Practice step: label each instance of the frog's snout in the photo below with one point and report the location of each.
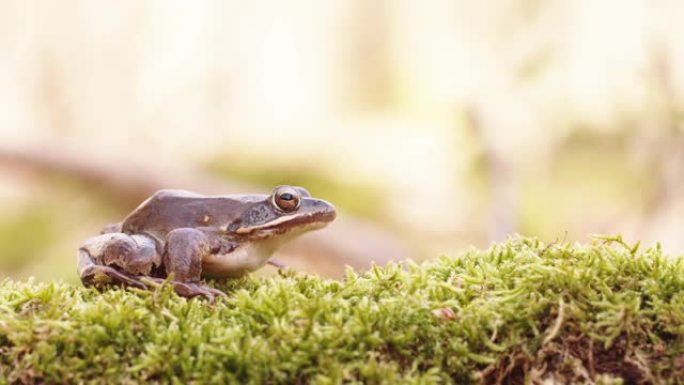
(324, 211)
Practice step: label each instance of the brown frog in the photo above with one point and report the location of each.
(192, 236)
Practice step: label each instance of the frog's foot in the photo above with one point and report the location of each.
(191, 290)
(116, 259)
(101, 276)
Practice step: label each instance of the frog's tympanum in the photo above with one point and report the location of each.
(191, 236)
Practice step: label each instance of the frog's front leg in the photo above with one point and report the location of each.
(117, 259)
(185, 249)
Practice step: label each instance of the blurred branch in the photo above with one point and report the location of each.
(348, 241)
(504, 213)
(662, 143)
(667, 156)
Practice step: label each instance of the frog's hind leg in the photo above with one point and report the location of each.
(116, 259)
(99, 276)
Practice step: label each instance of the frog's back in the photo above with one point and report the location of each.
(171, 209)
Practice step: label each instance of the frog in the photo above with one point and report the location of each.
(181, 237)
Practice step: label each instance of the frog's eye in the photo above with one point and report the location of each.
(286, 198)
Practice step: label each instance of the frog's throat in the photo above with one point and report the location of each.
(244, 259)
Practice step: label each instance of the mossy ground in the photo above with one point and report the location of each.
(519, 312)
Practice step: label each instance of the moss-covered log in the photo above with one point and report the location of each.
(519, 311)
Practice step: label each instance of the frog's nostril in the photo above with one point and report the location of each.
(328, 211)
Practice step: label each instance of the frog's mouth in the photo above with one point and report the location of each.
(309, 217)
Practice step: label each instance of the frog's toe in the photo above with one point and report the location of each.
(100, 276)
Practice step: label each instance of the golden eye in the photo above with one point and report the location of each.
(286, 198)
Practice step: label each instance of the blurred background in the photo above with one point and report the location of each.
(432, 125)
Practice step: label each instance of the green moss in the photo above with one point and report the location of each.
(600, 313)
